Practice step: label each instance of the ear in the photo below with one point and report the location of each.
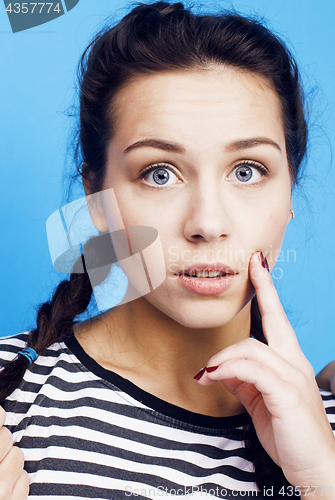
(94, 202)
(95, 207)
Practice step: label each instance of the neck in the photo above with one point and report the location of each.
(161, 356)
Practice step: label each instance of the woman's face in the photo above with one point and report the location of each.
(200, 156)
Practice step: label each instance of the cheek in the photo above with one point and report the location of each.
(143, 247)
(138, 211)
(259, 220)
(269, 232)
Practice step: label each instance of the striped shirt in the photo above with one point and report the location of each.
(86, 432)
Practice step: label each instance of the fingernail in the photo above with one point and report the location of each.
(200, 374)
(264, 261)
(210, 369)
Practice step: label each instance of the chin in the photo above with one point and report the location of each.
(202, 315)
(202, 322)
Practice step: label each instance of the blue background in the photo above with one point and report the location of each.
(37, 87)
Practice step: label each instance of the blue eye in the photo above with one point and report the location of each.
(159, 175)
(243, 173)
(248, 172)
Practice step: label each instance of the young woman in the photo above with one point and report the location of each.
(194, 125)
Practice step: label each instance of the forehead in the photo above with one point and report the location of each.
(220, 102)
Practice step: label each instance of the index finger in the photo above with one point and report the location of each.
(277, 328)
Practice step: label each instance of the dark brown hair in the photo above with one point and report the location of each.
(153, 38)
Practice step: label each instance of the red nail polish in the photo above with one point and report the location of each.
(261, 258)
(210, 369)
(200, 374)
(264, 261)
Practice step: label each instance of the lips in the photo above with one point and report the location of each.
(206, 271)
(207, 279)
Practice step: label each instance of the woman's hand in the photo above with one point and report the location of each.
(276, 385)
(14, 480)
(326, 377)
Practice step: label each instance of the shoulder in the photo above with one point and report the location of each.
(329, 403)
(47, 382)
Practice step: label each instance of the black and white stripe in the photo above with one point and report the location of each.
(88, 433)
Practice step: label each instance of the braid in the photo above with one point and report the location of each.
(54, 321)
(55, 318)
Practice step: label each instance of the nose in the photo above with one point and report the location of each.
(208, 218)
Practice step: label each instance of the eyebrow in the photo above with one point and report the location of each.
(178, 148)
(250, 143)
(155, 143)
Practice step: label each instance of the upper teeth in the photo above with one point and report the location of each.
(206, 274)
